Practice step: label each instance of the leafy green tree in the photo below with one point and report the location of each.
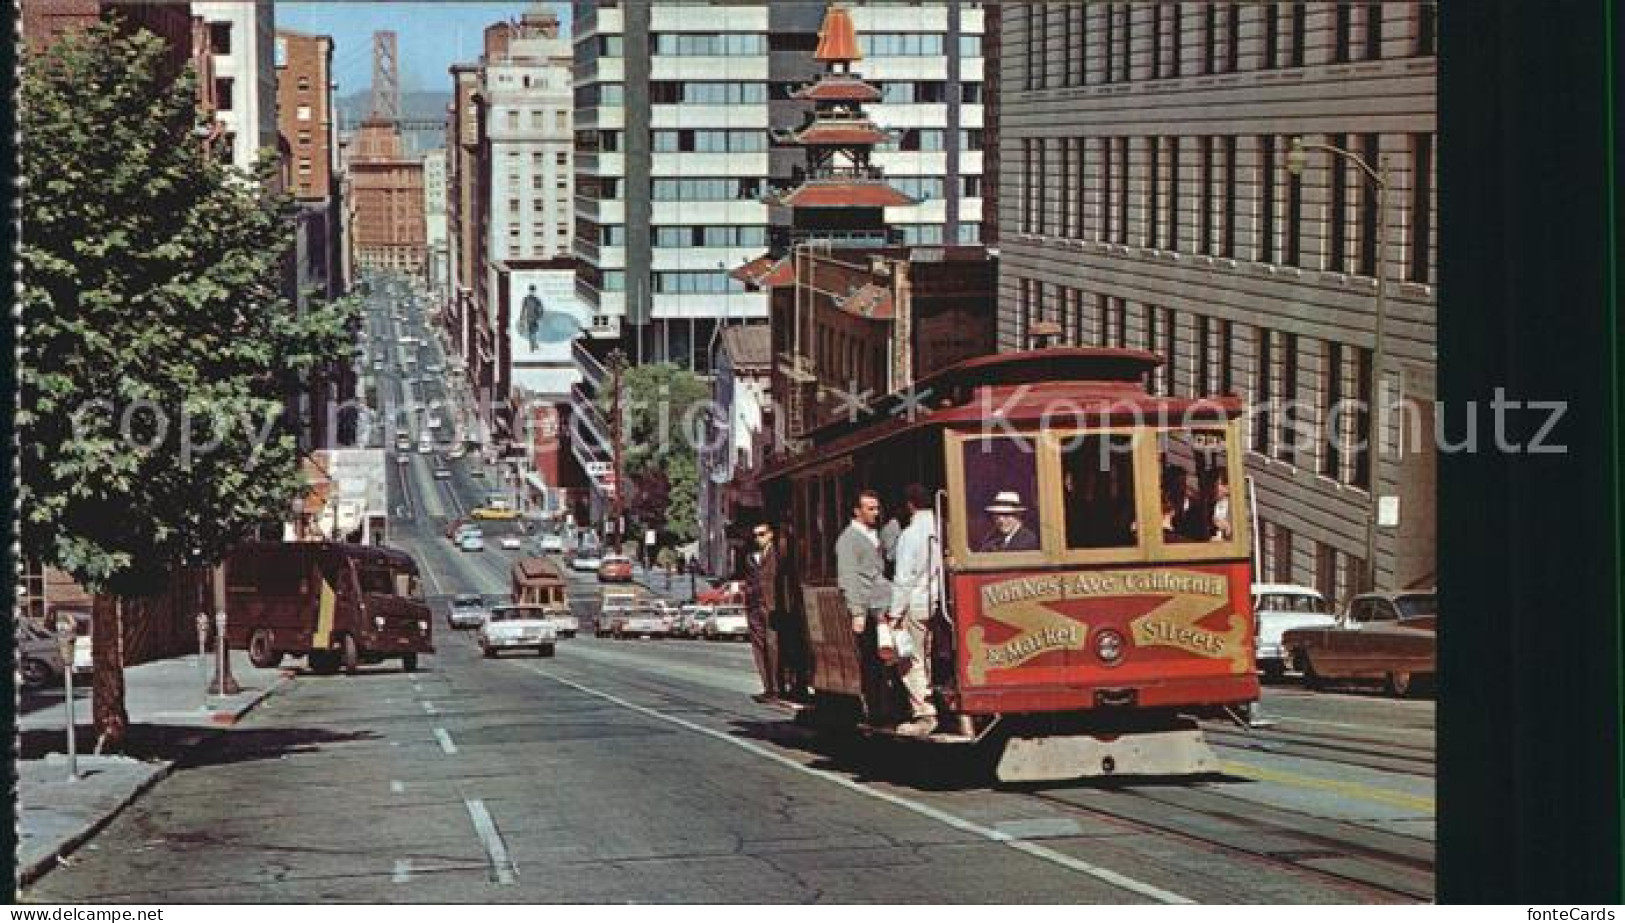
(157, 349)
(663, 407)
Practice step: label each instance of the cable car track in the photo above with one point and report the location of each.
(1387, 757)
(1378, 863)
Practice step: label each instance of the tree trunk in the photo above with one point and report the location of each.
(107, 654)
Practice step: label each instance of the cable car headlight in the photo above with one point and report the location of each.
(423, 625)
(378, 621)
(1109, 646)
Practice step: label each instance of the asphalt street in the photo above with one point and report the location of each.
(642, 771)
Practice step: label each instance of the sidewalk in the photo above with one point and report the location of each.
(56, 814)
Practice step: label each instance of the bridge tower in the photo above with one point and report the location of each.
(386, 78)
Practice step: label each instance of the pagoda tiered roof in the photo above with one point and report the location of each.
(839, 132)
(838, 88)
(842, 193)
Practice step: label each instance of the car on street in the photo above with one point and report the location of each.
(511, 543)
(457, 451)
(443, 474)
(472, 541)
(405, 458)
(727, 622)
(493, 513)
(403, 444)
(467, 611)
(425, 447)
(586, 560)
(615, 569)
(1385, 637)
(1281, 607)
(510, 627)
(551, 544)
(563, 619)
(691, 621)
(39, 655)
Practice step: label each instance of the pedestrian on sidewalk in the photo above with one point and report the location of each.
(762, 601)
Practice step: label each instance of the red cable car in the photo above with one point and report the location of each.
(1095, 588)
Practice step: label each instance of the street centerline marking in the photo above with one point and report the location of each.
(502, 867)
(403, 871)
(958, 823)
(396, 786)
(445, 741)
(1354, 790)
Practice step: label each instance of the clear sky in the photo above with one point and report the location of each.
(433, 35)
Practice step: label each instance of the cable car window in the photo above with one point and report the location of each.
(1097, 479)
(1001, 494)
(1411, 607)
(1195, 488)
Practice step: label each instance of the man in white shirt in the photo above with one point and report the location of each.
(915, 586)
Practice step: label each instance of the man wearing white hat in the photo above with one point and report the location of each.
(1010, 533)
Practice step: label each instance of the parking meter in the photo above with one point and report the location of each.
(66, 633)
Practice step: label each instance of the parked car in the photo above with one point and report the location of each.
(691, 621)
(1278, 608)
(642, 620)
(508, 627)
(467, 611)
(39, 656)
(552, 544)
(511, 543)
(1387, 637)
(727, 622)
(613, 613)
(586, 560)
(472, 541)
(615, 569)
(563, 619)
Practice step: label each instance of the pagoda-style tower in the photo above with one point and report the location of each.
(841, 199)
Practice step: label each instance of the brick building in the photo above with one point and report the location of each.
(390, 233)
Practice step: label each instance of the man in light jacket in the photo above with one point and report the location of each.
(915, 586)
(860, 569)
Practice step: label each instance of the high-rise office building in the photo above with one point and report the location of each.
(1190, 178)
(682, 113)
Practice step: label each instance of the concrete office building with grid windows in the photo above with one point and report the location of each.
(679, 116)
(1147, 200)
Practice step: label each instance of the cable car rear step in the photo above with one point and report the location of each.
(1177, 749)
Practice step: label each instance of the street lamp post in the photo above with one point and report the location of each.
(1296, 160)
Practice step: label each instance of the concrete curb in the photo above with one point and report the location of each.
(33, 871)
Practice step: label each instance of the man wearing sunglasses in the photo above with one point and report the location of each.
(764, 605)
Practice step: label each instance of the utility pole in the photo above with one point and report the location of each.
(617, 363)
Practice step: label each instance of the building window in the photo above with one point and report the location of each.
(1427, 28)
(1373, 31)
(220, 37)
(1109, 71)
(1122, 189)
(1333, 414)
(1064, 203)
(1421, 209)
(1299, 32)
(1232, 38)
(1337, 258)
(1153, 189)
(1326, 572)
(1157, 20)
(1077, 44)
(1293, 255)
(1024, 315)
(1272, 35)
(1342, 29)
(1210, 36)
(1202, 376)
(1026, 192)
(1204, 199)
(1369, 257)
(1041, 201)
(1106, 190)
(1080, 186)
(1228, 242)
(1125, 39)
(1263, 402)
(511, 119)
(1174, 165)
(1286, 444)
(1360, 447)
(1266, 216)
(223, 92)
